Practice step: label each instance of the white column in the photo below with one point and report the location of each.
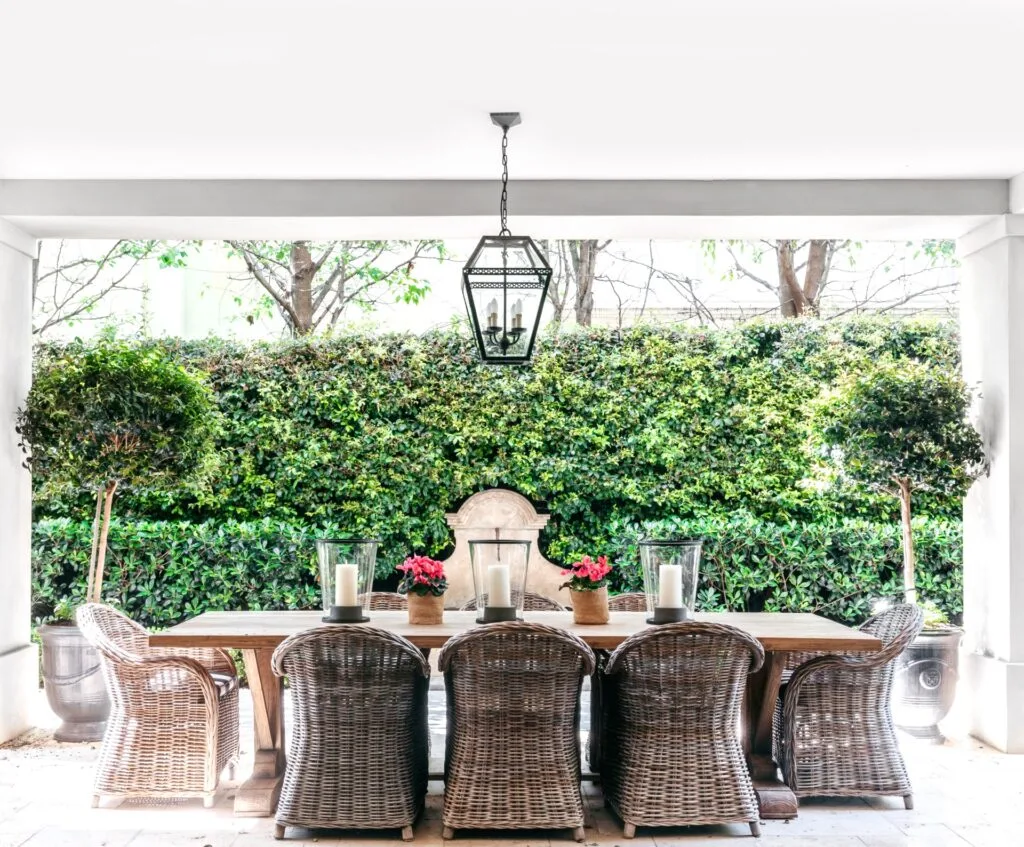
(19, 669)
(992, 321)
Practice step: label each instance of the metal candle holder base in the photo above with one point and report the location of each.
(345, 614)
(669, 615)
(494, 614)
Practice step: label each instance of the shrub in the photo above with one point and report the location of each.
(162, 572)
(383, 435)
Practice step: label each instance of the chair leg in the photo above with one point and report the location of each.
(407, 833)
(278, 831)
(208, 800)
(908, 801)
(579, 834)
(95, 801)
(628, 830)
(755, 829)
(447, 833)
(232, 768)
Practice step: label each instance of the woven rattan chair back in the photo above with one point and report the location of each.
(382, 601)
(531, 603)
(513, 709)
(633, 602)
(671, 749)
(856, 752)
(173, 724)
(359, 749)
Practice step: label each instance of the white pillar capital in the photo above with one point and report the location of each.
(1016, 195)
(994, 229)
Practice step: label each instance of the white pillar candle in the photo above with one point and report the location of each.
(345, 580)
(670, 587)
(492, 313)
(499, 588)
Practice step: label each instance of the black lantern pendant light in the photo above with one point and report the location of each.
(505, 281)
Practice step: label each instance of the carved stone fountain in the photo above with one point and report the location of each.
(499, 513)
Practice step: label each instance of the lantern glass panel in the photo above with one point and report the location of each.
(346, 573)
(499, 578)
(671, 569)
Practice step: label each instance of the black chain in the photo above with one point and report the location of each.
(504, 183)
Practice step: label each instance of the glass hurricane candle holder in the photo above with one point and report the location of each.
(499, 578)
(346, 577)
(670, 578)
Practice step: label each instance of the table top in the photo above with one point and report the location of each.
(777, 631)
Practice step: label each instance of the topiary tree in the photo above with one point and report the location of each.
(112, 417)
(900, 427)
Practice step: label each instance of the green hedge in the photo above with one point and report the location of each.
(383, 435)
(161, 572)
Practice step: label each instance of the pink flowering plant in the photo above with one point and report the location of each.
(587, 574)
(422, 575)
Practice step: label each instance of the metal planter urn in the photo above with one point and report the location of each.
(924, 685)
(74, 683)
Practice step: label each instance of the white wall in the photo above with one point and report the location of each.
(18, 659)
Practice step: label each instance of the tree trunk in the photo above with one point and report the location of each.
(584, 259)
(791, 295)
(303, 271)
(909, 587)
(814, 277)
(101, 553)
(95, 544)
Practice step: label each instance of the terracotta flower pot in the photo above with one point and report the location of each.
(590, 607)
(426, 608)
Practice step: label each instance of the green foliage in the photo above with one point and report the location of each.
(163, 572)
(838, 569)
(904, 420)
(384, 435)
(115, 412)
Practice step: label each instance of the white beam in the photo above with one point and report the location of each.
(474, 198)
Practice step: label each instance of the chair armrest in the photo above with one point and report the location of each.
(171, 675)
(213, 659)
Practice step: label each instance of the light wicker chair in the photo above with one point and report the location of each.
(531, 603)
(173, 724)
(512, 754)
(672, 754)
(360, 744)
(834, 731)
(388, 601)
(635, 601)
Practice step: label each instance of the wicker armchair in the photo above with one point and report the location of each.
(672, 753)
(388, 601)
(635, 601)
(358, 757)
(531, 603)
(512, 755)
(834, 733)
(173, 724)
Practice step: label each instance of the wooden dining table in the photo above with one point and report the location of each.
(256, 634)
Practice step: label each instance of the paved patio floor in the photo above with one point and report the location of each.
(965, 793)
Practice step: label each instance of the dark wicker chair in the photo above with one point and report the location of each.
(388, 601)
(512, 755)
(531, 603)
(173, 724)
(672, 753)
(358, 757)
(834, 731)
(633, 602)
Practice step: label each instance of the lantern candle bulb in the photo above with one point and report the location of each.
(345, 579)
(492, 313)
(517, 314)
(499, 587)
(670, 587)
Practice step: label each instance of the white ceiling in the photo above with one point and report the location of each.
(388, 89)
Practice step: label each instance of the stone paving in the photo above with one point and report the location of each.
(965, 794)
